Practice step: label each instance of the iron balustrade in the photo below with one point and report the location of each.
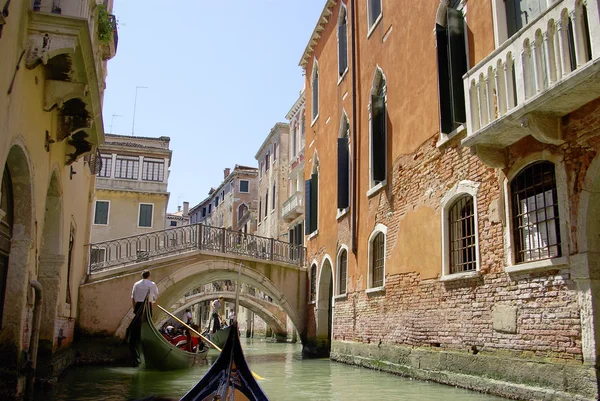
(149, 246)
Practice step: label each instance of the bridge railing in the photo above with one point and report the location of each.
(148, 246)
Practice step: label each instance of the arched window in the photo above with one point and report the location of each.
(378, 127)
(313, 283)
(535, 219)
(242, 209)
(377, 257)
(311, 204)
(373, 12)
(315, 90)
(342, 271)
(343, 188)
(342, 41)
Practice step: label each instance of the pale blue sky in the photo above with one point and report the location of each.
(219, 74)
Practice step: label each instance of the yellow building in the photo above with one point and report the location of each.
(131, 189)
(52, 74)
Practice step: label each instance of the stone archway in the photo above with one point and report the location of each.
(17, 305)
(325, 304)
(51, 260)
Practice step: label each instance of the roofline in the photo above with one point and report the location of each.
(299, 102)
(159, 138)
(316, 35)
(268, 138)
(236, 170)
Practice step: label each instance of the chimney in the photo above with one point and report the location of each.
(186, 208)
(179, 208)
(226, 172)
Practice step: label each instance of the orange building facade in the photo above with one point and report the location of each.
(450, 177)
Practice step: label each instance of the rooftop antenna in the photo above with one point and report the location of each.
(112, 120)
(134, 106)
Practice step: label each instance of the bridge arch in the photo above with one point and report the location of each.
(246, 301)
(179, 282)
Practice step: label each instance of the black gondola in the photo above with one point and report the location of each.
(229, 378)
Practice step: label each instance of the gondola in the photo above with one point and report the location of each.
(219, 337)
(151, 350)
(229, 378)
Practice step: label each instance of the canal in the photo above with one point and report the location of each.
(288, 377)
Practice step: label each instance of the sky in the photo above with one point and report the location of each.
(219, 75)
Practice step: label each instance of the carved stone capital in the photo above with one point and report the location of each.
(42, 46)
(545, 129)
(490, 156)
(58, 92)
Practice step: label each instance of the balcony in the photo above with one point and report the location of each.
(110, 40)
(293, 207)
(548, 69)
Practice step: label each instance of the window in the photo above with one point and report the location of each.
(260, 170)
(266, 203)
(373, 12)
(342, 271)
(343, 168)
(377, 256)
(294, 139)
(274, 151)
(313, 283)
(378, 127)
(259, 211)
(209, 208)
(267, 161)
(101, 212)
(521, 12)
(461, 223)
(127, 167)
(173, 223)
(242, 209)
(452, 65)
(244, 186)
(273, 201)
(153, 169)
(145, 215)
(69, 264)
(315, 91)
(535, 219)
(106, 169)
(216, 201)
(311, 204)
(204, 211)
(342, 37)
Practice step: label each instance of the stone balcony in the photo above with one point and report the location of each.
(121, 184)
(548, 69)
(293, 207)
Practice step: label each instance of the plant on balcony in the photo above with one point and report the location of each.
(105, 25)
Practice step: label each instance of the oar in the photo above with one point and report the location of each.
(256, 376)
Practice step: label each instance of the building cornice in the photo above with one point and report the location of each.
(275, 130)
(297, 106)
(316, 35)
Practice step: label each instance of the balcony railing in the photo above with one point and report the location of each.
(293, 207)
(149, 246)
(531, 72)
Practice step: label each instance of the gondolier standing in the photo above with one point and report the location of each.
(216, 307)
(141, 289)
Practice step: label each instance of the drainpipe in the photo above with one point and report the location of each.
(35, 336)
(354, 132)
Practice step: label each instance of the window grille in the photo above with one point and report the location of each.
(378, 259)
(127, 167)
(461, 219)
(153, 169)
(343, 271)
(536, 226)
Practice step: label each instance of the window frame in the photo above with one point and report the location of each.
(560, 176)
(338, 275)
(374, 188)
(140, 212)
(159, 163)
(314, 75)
(107, 212)
(342, 134)
(135, 171)
(107, 167)
(460, 189)
(343, 9)
(379, 228)
(248, 186)
(371, 26)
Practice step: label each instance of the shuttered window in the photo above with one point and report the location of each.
(343, 269)
(378, 138)
(315, 91)
(452, 65)
(311, 204)
(101, 212)
(343, 189)
(145, 218)
(244, 186)
(273, 201)
(259, 211)
(267, 203)
(342, 42)
(313, 283)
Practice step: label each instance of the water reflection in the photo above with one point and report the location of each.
(287, 378)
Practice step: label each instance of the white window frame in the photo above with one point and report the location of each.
(371, 28)
(345, 10)
(107, 213)
(459, 189)
(379, 228)
(140, 211)
(374, 188)
(563, 215)
(315, 71)
(337, 293)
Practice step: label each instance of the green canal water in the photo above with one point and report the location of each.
(288, 377)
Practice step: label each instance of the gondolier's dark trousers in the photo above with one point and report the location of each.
(216, 322)
(139, 305)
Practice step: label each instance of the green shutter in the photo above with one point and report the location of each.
(314, 199)
(445, 98)
(457, 54)
(307, 213)
(378, 145)
(343, 187)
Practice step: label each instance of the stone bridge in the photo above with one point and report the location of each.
(185, 258)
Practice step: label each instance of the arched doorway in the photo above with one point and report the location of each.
(325, 305)
(6, 226)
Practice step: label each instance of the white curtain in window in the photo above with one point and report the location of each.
(539, 227)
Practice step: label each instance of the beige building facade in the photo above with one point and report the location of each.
(131, 188)
(273, 159)
(52, 73)
(179, 218)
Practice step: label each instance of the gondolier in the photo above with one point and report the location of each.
(141, 289)
(216, 307)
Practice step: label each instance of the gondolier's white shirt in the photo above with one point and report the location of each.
(140, 289)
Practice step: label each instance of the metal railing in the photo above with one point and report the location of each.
(149, 246)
